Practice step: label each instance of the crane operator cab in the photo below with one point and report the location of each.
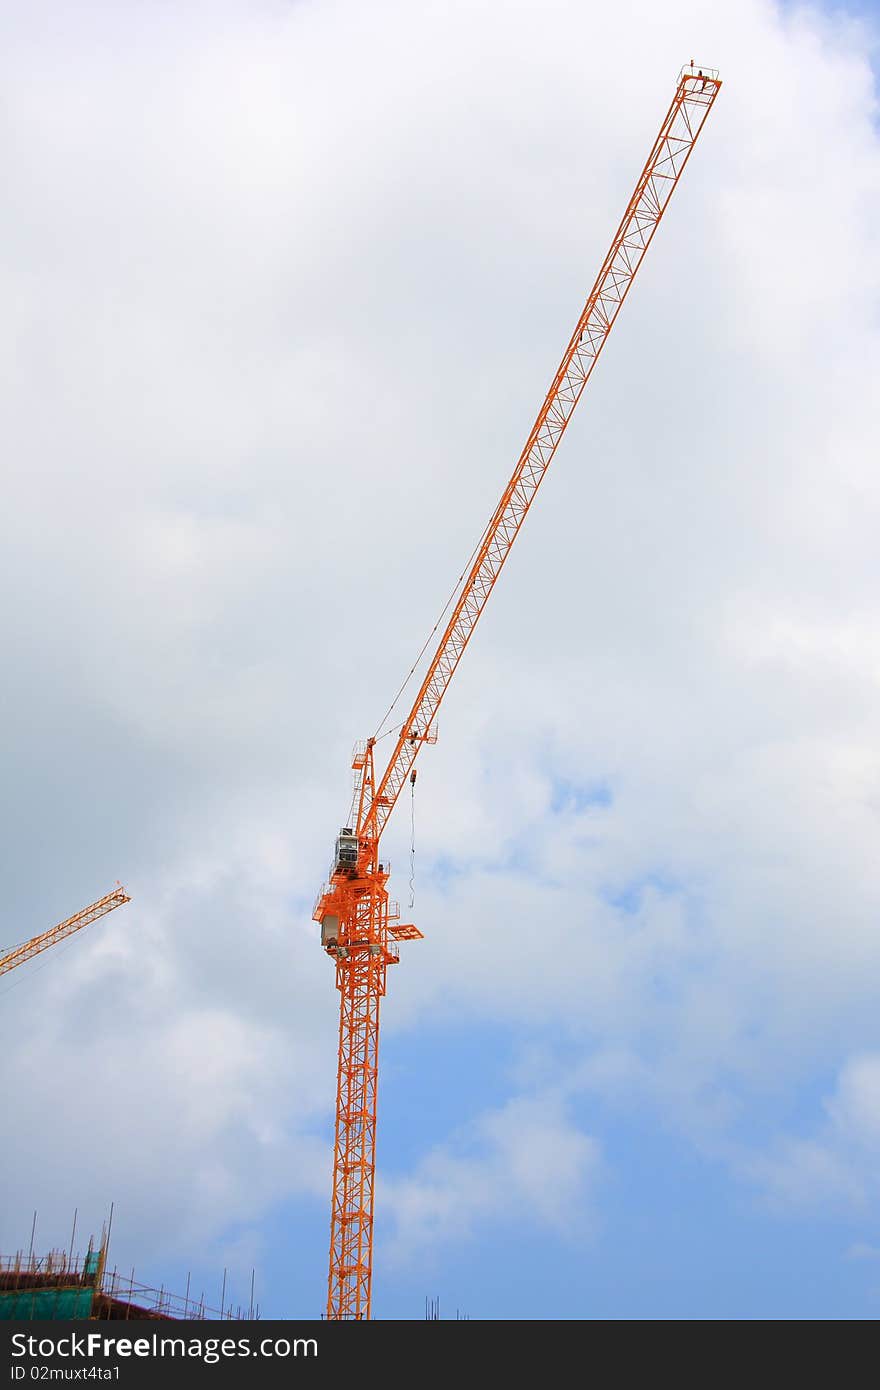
(346, 857)
(330, 930)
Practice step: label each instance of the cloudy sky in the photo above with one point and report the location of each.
(283, 286)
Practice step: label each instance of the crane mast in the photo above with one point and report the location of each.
(360, 926)
(28, 949)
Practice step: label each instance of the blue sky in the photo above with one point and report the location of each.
(286, 283)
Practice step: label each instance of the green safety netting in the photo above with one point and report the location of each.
(45, 1304)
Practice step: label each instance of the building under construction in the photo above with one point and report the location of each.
(64, 1286)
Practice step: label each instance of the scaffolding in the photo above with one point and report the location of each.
(64, 1286)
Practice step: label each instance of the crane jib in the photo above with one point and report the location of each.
(682, 125)
(90, 914)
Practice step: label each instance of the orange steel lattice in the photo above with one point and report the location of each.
(31, 948)
(358, 928)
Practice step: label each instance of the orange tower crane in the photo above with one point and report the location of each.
(28, 949)
(360, 927)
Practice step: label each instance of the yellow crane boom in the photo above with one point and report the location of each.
(28, 949)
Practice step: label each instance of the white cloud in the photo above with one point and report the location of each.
(283, 291)
(526, 1162)
(855, 1107)
(152, 1080)
(840, 1163)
